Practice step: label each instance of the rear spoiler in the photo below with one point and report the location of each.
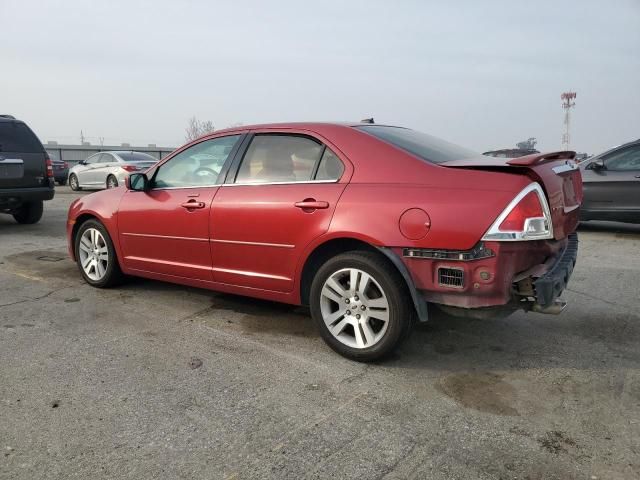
(539, 158)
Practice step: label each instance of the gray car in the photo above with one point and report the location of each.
(108, 169)
(612, 185)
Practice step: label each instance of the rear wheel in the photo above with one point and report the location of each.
(73, 182)
(360, 305)
(96, 256)
(112, 182)
(29, 213)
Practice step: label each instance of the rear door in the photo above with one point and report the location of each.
(22, 156)
(613, 193)
(279, 197)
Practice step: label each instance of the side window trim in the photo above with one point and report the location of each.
(223, 172)
(234, 168)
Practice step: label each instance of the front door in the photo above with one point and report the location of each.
(281, 198)
(613, 192)
(166, 229)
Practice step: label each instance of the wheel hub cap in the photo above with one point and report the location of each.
(93, 254)
(354, 308)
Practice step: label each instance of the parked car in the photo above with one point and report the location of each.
(60, 171)
(366, 224)
(26, 174)
(108, 169)
(612, 185)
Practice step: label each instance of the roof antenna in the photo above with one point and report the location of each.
(367, 120)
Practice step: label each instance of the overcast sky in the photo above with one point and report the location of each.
(484, 74)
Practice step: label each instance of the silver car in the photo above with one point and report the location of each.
(108, 169)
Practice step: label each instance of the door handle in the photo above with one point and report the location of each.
(637, 176)
(192, 204)
(311, 204)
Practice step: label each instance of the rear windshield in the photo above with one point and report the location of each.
(136, 157)
(431, 149)
(17, 137)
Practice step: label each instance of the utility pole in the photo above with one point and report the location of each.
(567, 104)
(81, 138)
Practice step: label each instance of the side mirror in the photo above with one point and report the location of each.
(597, 165)
(138, 182)
(82, 162)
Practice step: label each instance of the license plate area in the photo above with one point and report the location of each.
(11, 169)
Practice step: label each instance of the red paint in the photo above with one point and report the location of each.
(255, 239)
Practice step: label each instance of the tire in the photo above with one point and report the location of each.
(376, 338)
(108, 273)
(62, 182)
(112, 182)
(73, 183)
(29, 213)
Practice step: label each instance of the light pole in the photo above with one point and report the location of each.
(567, 104)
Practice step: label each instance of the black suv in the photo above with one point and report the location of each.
(26, 174)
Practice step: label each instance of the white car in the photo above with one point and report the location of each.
(108, 169)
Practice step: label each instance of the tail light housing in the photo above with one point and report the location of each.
(49, 167)
(65, 165)
(527, 217)
(130, 168)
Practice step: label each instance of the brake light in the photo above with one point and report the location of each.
(66, 165)
(527, 217)
(49, 167)
(130, 168)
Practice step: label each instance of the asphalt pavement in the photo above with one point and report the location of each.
(152, 380)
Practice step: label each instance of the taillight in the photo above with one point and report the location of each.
(49, 167)
(527, 217)
(66, 165)
(130, 168)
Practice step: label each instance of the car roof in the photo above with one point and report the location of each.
(315, 126)
(617, 147)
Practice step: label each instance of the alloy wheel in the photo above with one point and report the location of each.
(112, 182)
(73, 182)
(94, 254)
(354, 308)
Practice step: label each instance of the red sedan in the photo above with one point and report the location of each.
(367, 224)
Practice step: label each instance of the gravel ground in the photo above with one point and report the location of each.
(153, 380)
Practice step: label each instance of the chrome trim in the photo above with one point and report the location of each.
(567, 167)
(257, 244)
(178, 188)
(257, 184)
(495, 234)
(250, 274)
(167, 262)
(12, 161)
(168, 237)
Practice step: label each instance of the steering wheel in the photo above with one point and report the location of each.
(205, 174)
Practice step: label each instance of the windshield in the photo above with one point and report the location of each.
(136, 157)
(426, 147)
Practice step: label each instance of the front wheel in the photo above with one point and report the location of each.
(112, 182)
(73, 182)
(360, 305)
(96, 256)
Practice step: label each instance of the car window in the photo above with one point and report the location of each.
(106, 158)
(136, 157)
(426, 147)
(274, 158)
(17, 137)
(93, 159)
(330, 167)
(198, 165)
(625, 159)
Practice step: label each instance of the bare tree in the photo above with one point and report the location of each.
(196, 128)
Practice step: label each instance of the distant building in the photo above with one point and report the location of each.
(75, 153)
